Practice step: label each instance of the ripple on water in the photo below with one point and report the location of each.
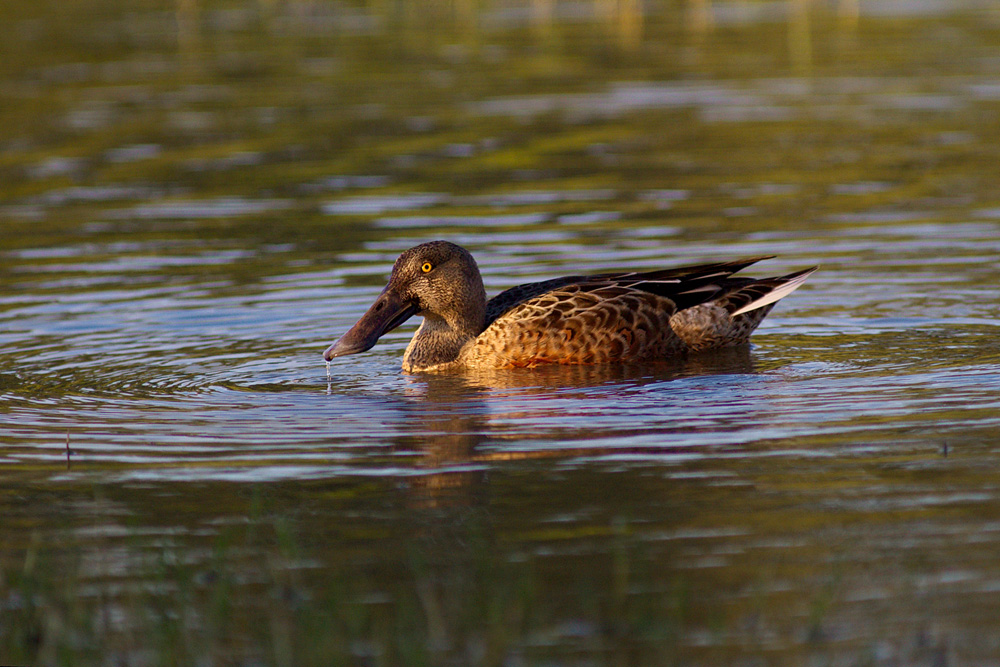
(223, 207)
(379, 204)
(176, 368)
(446, 221)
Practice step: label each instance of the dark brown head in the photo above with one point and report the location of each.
(437, 280)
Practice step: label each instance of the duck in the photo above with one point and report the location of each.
(601, 318)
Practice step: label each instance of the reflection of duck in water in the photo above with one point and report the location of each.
(604, 318)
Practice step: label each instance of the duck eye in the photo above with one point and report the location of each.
(427, 266)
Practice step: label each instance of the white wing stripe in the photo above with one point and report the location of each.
(778, 293)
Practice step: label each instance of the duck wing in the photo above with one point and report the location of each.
(627, 316)
(579, 323)
(686, 286)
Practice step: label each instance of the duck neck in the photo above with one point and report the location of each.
(437, 342)
(440, 340)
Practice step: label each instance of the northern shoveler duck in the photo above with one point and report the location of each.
(595, 319)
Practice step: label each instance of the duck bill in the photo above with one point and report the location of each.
(387, 313)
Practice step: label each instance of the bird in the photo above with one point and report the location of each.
(602, 318)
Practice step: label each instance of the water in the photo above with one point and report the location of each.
(197, 199)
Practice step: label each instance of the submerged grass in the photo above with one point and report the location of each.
(258, 595)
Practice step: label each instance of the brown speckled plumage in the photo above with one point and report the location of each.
(596, 319)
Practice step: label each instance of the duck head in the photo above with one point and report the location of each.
(438, 280)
